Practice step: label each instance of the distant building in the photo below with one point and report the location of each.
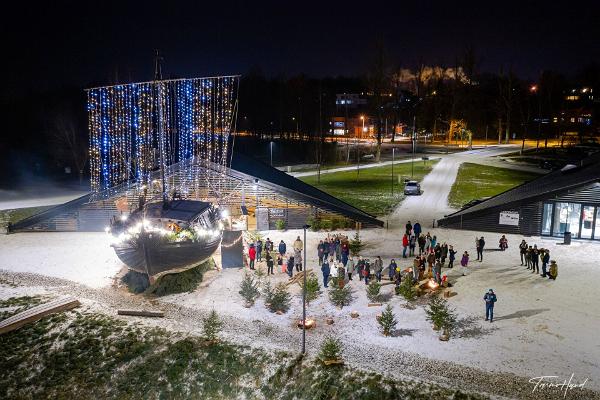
(578, 117)
(362, 126)
(349, 100)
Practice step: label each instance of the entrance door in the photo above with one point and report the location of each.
(566, 219)
(587, 222)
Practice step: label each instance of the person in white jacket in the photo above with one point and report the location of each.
(350, 267)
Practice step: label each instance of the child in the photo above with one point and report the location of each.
(464, 262)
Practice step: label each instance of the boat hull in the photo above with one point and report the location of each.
(155, 258)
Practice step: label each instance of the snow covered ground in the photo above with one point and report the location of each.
(37, 196)
(542, 327)
(81, 257)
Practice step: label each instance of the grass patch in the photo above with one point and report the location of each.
(475, 181)
(371, 190)
(17, 214)
(92, 356)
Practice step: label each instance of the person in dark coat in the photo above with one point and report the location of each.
(325, 269)
(417, 229)
(367, 271)
(409, 228)
(259, 249)
(269, 245)
(412, 242)
(320, 251)
(490, 299)
(421, 241)
(523, 251)
(480, 246)
(444, 253)
(535, 260)
(269, 264)
(360, 266)
(282, 247)
(392, 269)
(451, 256)
(290, 266)
(545, 261)
(326, 249)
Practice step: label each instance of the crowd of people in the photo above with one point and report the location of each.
(531, 257)
(428, 256)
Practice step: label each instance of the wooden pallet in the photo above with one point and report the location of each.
(38, 312)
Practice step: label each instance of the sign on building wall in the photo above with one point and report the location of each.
(509, 218)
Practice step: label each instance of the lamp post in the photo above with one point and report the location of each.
(414, 138)
(271, 145)
(305, 227)
(534, 89)
(393, 157)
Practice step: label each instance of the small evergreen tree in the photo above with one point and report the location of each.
(356, 245)
(440, 315)
(267, 292)
(312, 288)
(280, 224)
(373, 291)
(407, 290)
(340, 296)
(249, 289)
(280, 299)
(387, 321)
(331, 349)
(211, 326)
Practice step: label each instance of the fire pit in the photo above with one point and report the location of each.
(433, 285)
(310, 323)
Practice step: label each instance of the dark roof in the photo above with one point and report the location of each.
(182, 210)
(295, 189)
(554, 183)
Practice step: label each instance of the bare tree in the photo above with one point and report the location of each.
(71, 144)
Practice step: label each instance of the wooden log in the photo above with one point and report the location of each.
(141, 313)
(333, 362)
(375, 304)
(38, 312)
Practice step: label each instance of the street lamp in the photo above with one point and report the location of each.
(305, 227)
(393, 157)
(271, 145)
(534, 90)
(362, 117)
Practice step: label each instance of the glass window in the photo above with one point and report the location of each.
(547, 219)
(566, 219)
(587, 222)
(597, 230)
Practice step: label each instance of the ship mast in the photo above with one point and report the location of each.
(159, 87)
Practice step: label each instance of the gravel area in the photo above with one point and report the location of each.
(364, 354)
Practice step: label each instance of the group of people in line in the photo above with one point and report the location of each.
(258, 249)
(531, 257)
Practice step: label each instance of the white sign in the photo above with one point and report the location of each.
(509, 218)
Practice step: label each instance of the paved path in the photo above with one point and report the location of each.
(433, 202)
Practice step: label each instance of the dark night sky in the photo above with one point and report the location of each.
(80, 43)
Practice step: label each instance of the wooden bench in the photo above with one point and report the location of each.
(38, 312)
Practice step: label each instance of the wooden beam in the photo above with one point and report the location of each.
(38, 312)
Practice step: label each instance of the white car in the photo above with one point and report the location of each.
(412, 187)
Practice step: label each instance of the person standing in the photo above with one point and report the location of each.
(367, 271)
(480, 246)
(282, 248)
(421, 241)
(320, 251)
(259, 249)
(430, 261)
(338, 250)
(545, 261)
(345, 252)
(464, 262)
(269, 259)
(427, 242)
(523, 251)
(437, 272)
(408, 227)
(378, 267)
(444, 253)
(298, 260)
(298, 245)
(451, 256)
(325, 249)
(290, 266)
(535, 260)
(415, 268)
(412, 242)
(490, 298)
(252, 255)
(350, 267)
(326, 271)
(417, 229)
(269, 245)
(392, 269)
(528, 254)
(360, 266)
(404, 245)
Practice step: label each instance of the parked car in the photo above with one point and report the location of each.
(412, 187)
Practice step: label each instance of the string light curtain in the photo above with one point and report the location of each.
(135, 127)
